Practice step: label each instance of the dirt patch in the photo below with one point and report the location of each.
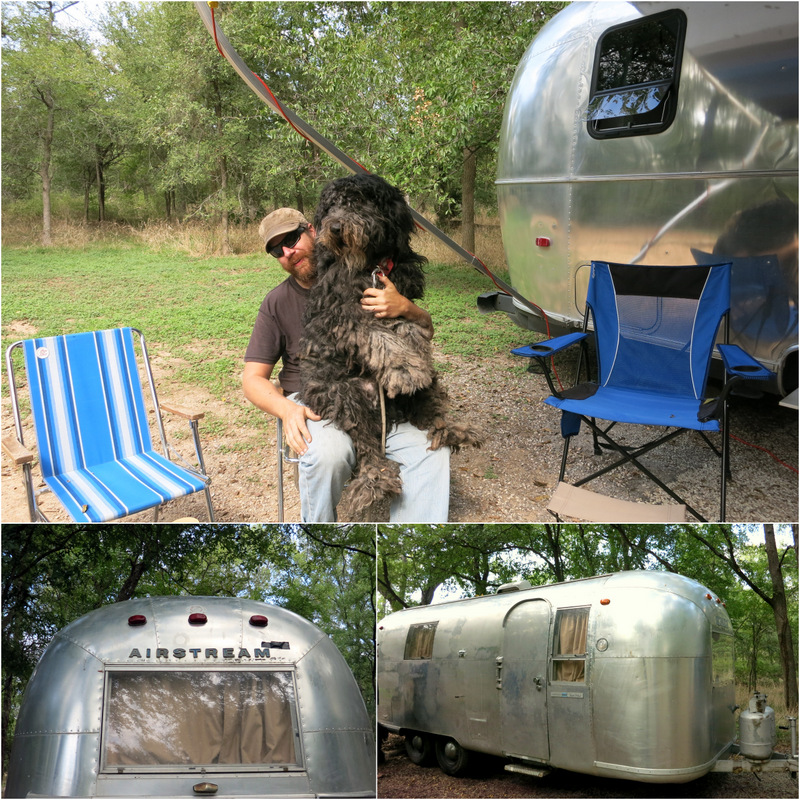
(510, 479)
(398, 777)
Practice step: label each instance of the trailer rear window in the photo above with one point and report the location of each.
(419, 641)
(636, 75)
(176, 719)
(569, 644)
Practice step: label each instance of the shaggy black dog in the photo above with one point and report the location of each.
(349, 355)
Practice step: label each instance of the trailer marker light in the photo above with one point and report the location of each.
(542, 241)
(708, 596)
(605, 601)
(136, 620)
(197, 619)
(259, 621)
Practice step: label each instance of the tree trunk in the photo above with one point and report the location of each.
(87, 186)
(780, 610)
(298, 196)
(101, 189)
(45, 168)
(468, 200)
(223, 183)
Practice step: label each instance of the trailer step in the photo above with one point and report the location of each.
(572, 501)
(536, 772)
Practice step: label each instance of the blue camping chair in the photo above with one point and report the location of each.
(92, 431)
(654, 331)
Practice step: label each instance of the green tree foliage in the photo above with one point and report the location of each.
(55, 97)
(53, 574)
(411, 90)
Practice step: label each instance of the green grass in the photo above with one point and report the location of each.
(202, 310)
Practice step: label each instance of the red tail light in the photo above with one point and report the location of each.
(197, 619)
(259, 621)
(136, 620)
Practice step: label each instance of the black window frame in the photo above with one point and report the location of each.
(657, 118)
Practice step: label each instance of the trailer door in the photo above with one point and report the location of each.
(522, 680)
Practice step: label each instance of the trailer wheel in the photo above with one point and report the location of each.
(419, 749)
(452, 757)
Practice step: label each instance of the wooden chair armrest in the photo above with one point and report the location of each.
(181, 411)
(16, 451)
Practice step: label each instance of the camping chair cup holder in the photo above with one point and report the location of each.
(92, 431)
(654, 330)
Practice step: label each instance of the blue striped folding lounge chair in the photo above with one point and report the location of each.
(654, 329)
(92, 432)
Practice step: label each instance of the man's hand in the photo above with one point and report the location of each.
(388, 303)
(294, 426)
(263, 393)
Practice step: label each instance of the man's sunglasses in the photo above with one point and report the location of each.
(290, 240)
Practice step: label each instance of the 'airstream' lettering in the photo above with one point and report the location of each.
(210, 653)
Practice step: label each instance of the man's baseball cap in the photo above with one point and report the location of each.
(280, 221)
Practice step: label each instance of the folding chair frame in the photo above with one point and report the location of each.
(23, 457)
(738, 366)
(285, 456)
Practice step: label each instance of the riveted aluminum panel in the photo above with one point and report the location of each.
(662, 198)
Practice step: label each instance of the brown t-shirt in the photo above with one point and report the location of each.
(276, 334)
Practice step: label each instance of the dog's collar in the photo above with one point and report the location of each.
(384, 268)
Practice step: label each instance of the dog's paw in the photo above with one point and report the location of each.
(374, 482)
(454, 435)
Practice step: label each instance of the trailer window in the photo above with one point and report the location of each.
(157, 719)
(722, 662)
(419, 641)
(636, 75)
(569, 644)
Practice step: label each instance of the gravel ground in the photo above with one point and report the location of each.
(509, 479)
(398, 777)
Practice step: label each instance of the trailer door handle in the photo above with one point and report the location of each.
(537, 682)
(205, 788)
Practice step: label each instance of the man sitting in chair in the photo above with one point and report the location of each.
(326, 454)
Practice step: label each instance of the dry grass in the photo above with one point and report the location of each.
(488, 245)
(202, 239)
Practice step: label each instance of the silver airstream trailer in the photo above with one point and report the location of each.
(182, 696)
(627, 675)
(656, 133)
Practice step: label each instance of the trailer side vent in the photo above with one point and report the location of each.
(137, 620)
(259, 621)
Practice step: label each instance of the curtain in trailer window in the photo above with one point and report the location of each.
(199, 718)
(419, 641)
(569, 647)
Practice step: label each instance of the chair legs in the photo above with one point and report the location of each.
(283, 451)
(632, 455)
(279, 453)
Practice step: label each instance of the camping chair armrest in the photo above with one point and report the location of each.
(181, 411)
(549, 347)
(741, 364)
(16, 451)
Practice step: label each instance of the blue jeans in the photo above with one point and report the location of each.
(330, 459)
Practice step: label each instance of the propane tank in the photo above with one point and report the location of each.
(757, 735)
